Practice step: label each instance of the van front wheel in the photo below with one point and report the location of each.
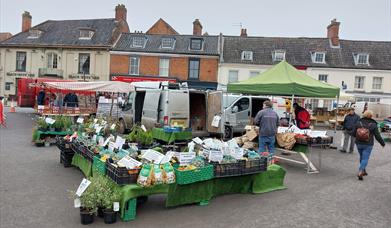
(228, 132)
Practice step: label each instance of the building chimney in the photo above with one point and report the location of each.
(243, 32)
(26, 21)
(332, 32)
(197, 28)
(120, 12)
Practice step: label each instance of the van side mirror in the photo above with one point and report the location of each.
(234, 109)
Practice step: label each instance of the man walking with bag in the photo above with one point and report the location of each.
(349, 123)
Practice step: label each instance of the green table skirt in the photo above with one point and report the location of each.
(271, 180)
(169, 137)
(63, 133)
(83, 164)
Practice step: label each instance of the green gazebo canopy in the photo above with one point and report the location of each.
(284, 80)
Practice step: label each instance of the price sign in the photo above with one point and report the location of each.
(83, 186)
(185, 158)
(167, 157)
(129, 162)
(111, 146)
(50, 120)
(80, 120)
(116, 206)
(143, 127)
(215, 155)
(119, 142)
(77, 203)
(112, 127)
(153, 156)
(237, 153)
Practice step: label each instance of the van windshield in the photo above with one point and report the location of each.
(229, 99)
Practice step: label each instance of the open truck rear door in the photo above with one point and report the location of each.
(214, 108)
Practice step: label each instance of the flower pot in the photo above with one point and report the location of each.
(58, 129)
(109, 216)
(47, 144)
(52, 129)
(86, 217)
(100, 212)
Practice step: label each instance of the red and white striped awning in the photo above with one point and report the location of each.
(100, 86)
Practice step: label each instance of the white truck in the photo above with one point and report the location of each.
(192, 108)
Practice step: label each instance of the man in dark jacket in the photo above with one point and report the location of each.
(267, 120)
(350, 121)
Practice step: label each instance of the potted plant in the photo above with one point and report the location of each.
(42, 125)
(107, 194)
(88, 202)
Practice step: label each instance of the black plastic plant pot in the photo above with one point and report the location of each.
(86, 217)
(100, 212)
(109, 216)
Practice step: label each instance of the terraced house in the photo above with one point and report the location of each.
(362, 68)
(60, 49)
(161, 54)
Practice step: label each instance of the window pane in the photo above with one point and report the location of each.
(20, 61)
(164, 66)
(243, 104)
(84, 63)
(195, 44)
(138, 41)
(359, 82)
(233, 76)
(167, 43)
(134, 65)
(322, 77)
(319, 57)
(194, 67)
(254, 73)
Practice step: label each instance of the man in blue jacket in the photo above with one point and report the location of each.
(349, 123)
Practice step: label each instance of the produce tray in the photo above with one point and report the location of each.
(227, 170)
(99, 165)
(191, 176)
(254, 166)
(121, 175)
(63, 145)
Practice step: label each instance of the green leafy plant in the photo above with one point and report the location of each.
(106, 192)
(140, 136)
(42, 125)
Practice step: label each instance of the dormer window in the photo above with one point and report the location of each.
(138, 41)
(195, 44)
(361, 59)
(34, 33)
(318, 57)
(168, 43)
(86, 34)
(278, 55)
(247, 55)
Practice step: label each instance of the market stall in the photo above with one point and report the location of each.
(135, 167)
(285, 80)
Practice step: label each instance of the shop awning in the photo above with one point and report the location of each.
(101, 86)
(284, 80)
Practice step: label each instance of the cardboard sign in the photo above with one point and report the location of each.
(119, 142)
(129, 162)
(80, 120)
(216, 121)
(215, 155)
(83, 186)
(167, 157)
(185, 158)
(153, 156)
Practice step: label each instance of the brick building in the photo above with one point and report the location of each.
(163, 54)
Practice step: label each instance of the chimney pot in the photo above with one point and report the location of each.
(197, 28)
(243, 32)
(26, 21)
(333, 32)
(120, 12)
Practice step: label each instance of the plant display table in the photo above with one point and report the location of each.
(83, 164)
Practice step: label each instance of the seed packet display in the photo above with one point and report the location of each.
(145, 177)
(168, 173)
(158, 174)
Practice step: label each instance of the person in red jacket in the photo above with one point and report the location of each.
(2, 119)
(303, 117)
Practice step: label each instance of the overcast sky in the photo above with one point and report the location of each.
(360, 19)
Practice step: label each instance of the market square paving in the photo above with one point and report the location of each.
(34, 192)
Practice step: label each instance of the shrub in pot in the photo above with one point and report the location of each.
(107, 194)
(88, 201)
(42, 125)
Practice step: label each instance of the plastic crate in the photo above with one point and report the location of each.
(121, 175)
(66, 159)
(227, 170)
(318, 140)
(130, 210)
(99, 165)
(191, 176)
(254, 166)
